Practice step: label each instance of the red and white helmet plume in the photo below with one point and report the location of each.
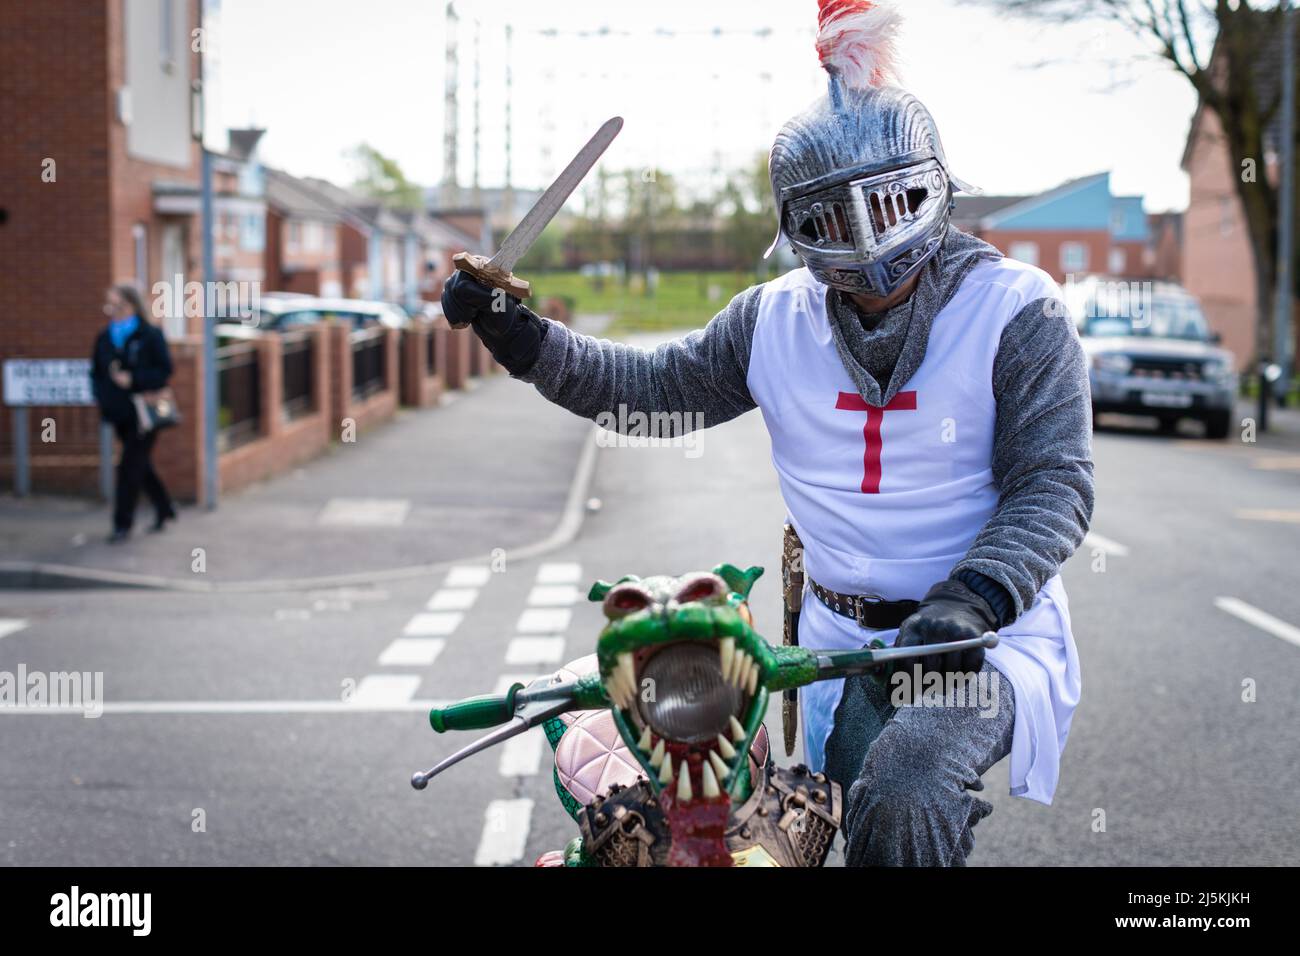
(855, 40)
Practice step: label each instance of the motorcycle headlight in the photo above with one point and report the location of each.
(689, 700)
(1116, 363)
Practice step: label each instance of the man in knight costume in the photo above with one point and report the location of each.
(927, 401)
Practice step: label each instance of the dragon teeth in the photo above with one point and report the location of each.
(645, 742)
(628, 671)
(666, 770)
(684, 793)
(724, 747)
(711, 788)
(657, 755)
(737, 731)
(719, 765)
(751, 683)
(739, 666)
(726, 651)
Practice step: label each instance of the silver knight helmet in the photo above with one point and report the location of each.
(862, 187)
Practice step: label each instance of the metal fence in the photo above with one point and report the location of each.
(430, 352)
(239, 394)
(297, 374)
(369, 362)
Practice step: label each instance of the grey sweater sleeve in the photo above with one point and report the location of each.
(1042, 454)
(691, 382)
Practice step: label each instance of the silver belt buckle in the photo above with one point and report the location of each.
(858, 607)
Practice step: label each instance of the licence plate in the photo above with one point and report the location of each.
(1166, 400)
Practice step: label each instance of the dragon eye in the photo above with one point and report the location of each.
(624, 599)
(701, 588)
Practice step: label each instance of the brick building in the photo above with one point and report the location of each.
(98, 124)
(1079, 227)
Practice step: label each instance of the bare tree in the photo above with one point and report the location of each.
(1230, 83)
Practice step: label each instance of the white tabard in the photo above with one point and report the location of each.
(888, 500)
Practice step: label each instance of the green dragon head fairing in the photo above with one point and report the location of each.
(687, 678)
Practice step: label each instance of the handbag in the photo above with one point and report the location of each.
(156, 410)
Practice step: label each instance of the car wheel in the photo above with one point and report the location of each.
(1217, 425)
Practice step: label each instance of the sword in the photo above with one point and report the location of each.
(495, 272)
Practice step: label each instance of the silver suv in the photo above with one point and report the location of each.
(1150, 352)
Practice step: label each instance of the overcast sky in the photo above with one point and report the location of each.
(1021, 106)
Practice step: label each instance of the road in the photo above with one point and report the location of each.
(226, 739)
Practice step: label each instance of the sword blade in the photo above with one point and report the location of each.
(531, 226)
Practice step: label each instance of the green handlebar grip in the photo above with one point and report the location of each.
(475, 713)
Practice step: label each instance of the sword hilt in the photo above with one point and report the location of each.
(482, 270)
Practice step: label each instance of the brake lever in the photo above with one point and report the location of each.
(527, 715)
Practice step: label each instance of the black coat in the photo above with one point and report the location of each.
(144, 354)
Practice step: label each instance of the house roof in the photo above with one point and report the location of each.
(299, 197)
(243, 142)
(971, 210)
(1071, 204)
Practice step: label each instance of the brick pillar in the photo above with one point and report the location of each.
(459, 343)
(414, 342)
(392, 363)
(340, 349)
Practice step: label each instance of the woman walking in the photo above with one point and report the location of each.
(130, 357)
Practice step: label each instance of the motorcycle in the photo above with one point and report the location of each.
(660, 753)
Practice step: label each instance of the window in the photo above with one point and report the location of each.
(295, 236)
(140, 242)
(1074, 257)
(312, 236)
(1117, 262)
(251, 238)
(1025, 252)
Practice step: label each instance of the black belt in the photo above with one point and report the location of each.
(867, 610)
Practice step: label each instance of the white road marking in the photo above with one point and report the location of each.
(544, 620)
(559, 573)
(553, 595)
(1099, 543)
(227, 707)
(1260, 619)
(452, 599)
(364, 512)
(467, 576)
(11, 625)
(435, 624)
(505, 832)
(385, 690)
(523, 651)
(522, 756)
(1268, 514)
(412, 651)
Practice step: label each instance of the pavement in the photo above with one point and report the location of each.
(489, 469)
(282, 727)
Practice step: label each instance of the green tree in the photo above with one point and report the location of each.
(380, 177)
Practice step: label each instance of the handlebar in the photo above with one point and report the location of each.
(475, 713)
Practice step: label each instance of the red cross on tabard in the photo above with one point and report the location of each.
(853, 402)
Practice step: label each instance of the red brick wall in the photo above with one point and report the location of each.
(63, 242)
(1049, 247)
(1217, 265)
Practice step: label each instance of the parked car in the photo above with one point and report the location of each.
(363, 312)
(276, 312)
(1151, 352)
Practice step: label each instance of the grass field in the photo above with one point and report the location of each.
(680, 300)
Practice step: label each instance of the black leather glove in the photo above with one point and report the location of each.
(951, 611)
(511, 331)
